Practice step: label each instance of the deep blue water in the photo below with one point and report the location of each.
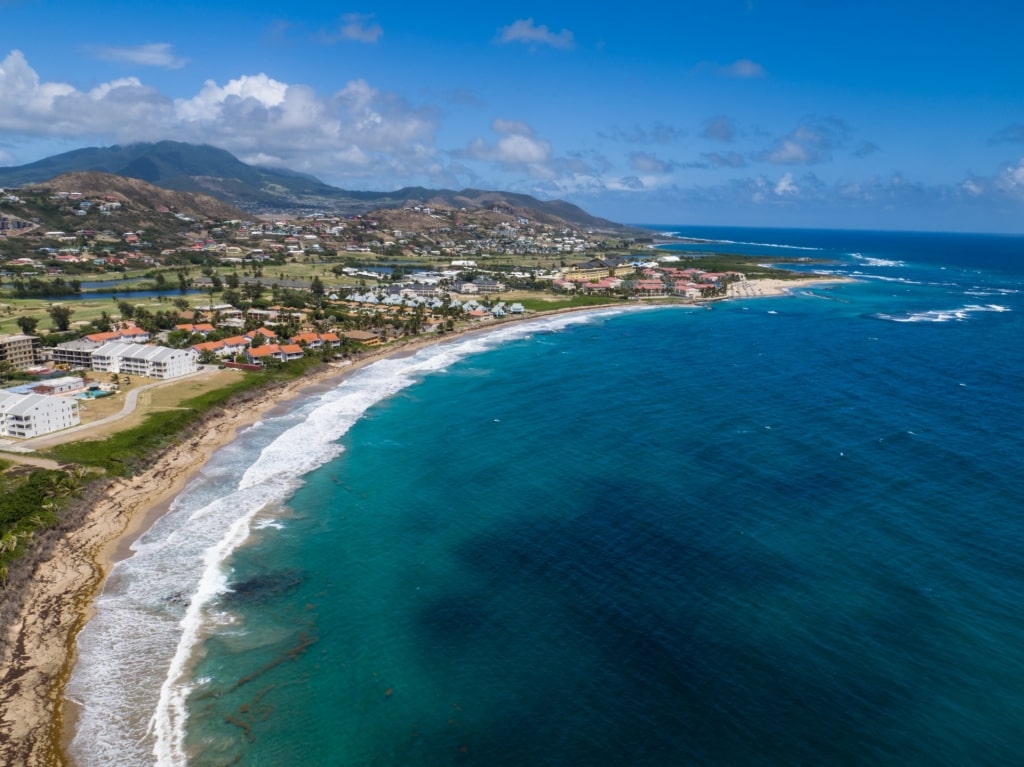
(784, 531)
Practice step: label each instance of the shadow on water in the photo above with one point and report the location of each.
(263, 587)
(677, 645)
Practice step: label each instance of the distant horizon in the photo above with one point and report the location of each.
(590, 208)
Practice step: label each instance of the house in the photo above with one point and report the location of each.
(258, 355)
(202, 329)
(135, 334)
(649, 288)
(364, 337)
(291, 352)
(267, 333)
(235, 345)
(213, 347)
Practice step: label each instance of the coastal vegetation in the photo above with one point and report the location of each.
(29, 503)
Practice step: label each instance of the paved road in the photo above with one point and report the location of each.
(67, 435)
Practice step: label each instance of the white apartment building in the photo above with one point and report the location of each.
(29, 415)
(144, 360)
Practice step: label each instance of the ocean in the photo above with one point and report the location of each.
(776, 531)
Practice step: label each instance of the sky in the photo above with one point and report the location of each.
(807, 113)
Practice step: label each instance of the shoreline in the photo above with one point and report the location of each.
(36, 719)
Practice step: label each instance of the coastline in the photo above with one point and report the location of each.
(40, 652)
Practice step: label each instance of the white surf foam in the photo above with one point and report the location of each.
(943, 315)
(874, 261)
(133, 678)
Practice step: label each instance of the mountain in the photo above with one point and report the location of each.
(216, 172)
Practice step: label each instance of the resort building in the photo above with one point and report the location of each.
(76, 355)
(144, 360)
(30, 415)
(20, 351)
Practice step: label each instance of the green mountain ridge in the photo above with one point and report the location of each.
(208, 170)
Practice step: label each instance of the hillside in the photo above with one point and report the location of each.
(103, 206)
(190, 168)
(140, 197)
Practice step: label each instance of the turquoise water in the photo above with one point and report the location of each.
(783, 531)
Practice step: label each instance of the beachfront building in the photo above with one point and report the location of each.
(20, 351)
(30, 415)
(75, 355)
(144, 360)
(597, 268)
(258, 355)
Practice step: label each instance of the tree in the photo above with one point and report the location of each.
(102, 323)
(61, 316)
(127, 309)
(27, 324)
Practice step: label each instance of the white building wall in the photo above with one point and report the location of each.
(30, 415)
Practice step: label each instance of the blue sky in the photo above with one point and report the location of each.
(893, 115)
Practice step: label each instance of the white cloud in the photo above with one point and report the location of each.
(516, 147)
(500, 125)
(251, 116)
(148, 55)
(810, 143)
(1011, 179)
(357, 27)
(35, 108)
(644, 162)
(972, 188)
(785, 186)
(526, 31)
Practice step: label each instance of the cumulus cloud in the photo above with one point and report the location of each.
(808, 144)
(252, 116)
(785, 186)
(149, 55)
(644, 162)
(1011, 179)
(358, 27)
(516, 148)
(526, 31)
(36, 108)
(972, 188)
(517, 127)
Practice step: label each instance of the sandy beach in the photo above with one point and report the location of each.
(38, 653)
(39, 649)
